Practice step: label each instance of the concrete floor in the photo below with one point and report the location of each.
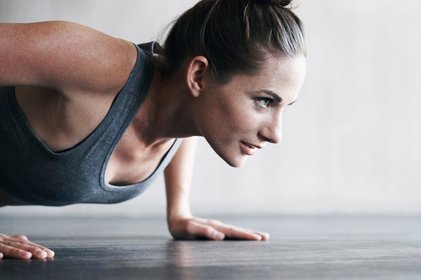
(300, 248)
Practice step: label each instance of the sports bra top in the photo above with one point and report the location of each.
(35, 174)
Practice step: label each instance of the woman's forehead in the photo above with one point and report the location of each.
(275, 71)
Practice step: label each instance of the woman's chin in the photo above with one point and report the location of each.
(231, 158)
(236, 162)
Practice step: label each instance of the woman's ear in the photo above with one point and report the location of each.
(195, 75)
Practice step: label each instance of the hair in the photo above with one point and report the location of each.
(235, 36)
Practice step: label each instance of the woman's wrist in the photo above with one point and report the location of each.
(174, 215)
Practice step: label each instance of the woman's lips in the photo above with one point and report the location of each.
(248, 148)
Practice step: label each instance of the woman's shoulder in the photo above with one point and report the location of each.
(64, 55)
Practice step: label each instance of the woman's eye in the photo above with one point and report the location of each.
(264, 101)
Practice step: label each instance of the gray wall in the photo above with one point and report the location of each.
(352, 143)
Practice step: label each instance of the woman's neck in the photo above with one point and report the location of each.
(165, 113)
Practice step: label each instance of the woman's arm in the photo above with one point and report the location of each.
(178, 175)
(181, 223)
(72, 59)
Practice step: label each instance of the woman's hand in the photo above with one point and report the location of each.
(198, 228)
(19, 247)
(181, 223)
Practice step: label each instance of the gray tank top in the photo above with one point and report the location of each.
(35, 174)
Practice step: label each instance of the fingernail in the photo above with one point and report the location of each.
(219, 236)
(41, 253)
(26, 255)
(265, 236)
(50, 253)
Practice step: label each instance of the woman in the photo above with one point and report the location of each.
(89, 118)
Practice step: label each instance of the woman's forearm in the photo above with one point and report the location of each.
(178, 175)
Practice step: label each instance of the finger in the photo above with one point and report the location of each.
(20, 237)
(49, 252)
(37, 253)
(21, 242)
(198, 229)
(12, 252)
(25, 239)
(238, 233)
(1, 255)
(265, 236)
(34, 250)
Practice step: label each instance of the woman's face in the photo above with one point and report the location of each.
(239, 117)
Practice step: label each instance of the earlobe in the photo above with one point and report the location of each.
(195, 75)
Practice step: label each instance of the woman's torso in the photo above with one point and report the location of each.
(62, 120)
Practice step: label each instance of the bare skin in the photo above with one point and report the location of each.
(65, 88)
(19, 247)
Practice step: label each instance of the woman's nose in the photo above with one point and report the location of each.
(272, 132)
